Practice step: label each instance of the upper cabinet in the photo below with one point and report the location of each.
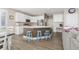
(36, 18)
(27, 17)
(57, 17)
(20, 17)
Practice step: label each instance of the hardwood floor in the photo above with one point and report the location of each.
(19, 43)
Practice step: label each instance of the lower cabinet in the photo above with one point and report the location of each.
(69, 42)
(18, 30)
(66, 41)
(74, 44)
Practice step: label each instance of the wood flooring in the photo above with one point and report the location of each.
(19, 43)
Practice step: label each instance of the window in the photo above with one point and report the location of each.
(2, 18)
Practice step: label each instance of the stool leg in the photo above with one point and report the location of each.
(37, 42)
(29, 40)
(39, 34)
(30, 36)
(9, 42)
(47, 38)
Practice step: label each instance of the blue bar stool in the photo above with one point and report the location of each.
(29, 35)
(39, 34)
(46, 34)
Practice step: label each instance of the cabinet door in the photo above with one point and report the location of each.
(19, 30)
(66, 41)
(74, 44)
(58, 18)
(20, 17)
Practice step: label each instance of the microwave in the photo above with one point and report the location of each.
(27, 20)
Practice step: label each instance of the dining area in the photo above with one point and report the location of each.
(5, 39)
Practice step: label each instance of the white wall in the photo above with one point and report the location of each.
(11, 22)
(71, 20)
(57, 17)
(55, 25)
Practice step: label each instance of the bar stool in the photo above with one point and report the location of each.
(29, 35)
(46, 34)
(39, 34)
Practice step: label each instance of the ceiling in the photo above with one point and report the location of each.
(40, 11)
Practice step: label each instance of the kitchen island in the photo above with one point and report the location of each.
(34, 30)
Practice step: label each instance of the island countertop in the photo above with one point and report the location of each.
(36, 27)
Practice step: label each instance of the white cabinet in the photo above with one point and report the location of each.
(66, 41)
(28, 17)
(35, 18)
(74, 44)
(70, 41)
(18, 29)
(20, 17)
(58, 18)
